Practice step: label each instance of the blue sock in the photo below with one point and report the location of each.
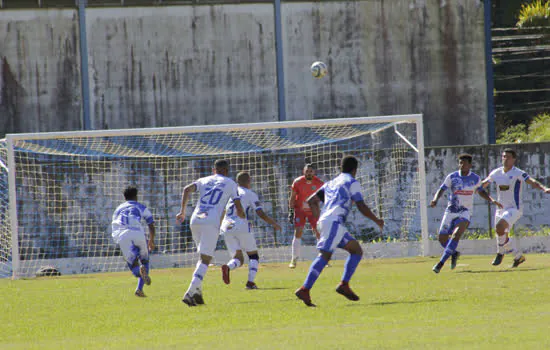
(141, 282)
(449, 250)
(350, 266)
(314, 271)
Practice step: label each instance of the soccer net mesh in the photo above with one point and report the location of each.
(65, 187)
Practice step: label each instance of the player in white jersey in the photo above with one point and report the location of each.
(128, 233)
(509, 181)
(214, 193)
(338, 195)
(237, 231)
(462, 184)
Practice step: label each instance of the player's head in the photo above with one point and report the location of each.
(349, 165)
(508, 157)
(243, 179)
(221, 166)
(130, 193)
(465, 162)
(309, 171)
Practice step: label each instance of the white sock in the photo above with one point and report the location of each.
(502, 244)
(196, 282)
(296, 245)
(252, 269)
(233, 264)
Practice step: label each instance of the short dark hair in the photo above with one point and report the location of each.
(511, 151)
(221, 164)
(243, 178)
(465, 156)
(130, 192)
(309, 165)
(349, 164)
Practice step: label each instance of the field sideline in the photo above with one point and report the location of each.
(403, 305)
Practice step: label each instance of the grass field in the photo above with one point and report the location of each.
(403, 305)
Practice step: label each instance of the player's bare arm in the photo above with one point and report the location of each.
(268, 219)
(314, 202)
(239, 207)
(184, 199)
(488, 198)
(365, 210)
(535, 184)
(437, 195)
(485, 183)
(151, 242)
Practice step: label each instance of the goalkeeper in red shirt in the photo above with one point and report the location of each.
(298, 209)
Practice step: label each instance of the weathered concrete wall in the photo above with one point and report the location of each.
(390, 57)
(190, 65)
(182, 65)
(40, 71)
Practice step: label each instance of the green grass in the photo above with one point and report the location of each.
(403, 305)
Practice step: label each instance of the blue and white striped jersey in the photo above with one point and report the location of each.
(462, 190)
(340, 193)
(127, 219)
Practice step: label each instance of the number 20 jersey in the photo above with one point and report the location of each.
(214, 192)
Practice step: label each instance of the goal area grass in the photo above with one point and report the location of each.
(403, 305)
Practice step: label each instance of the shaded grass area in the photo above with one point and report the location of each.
(403, 305)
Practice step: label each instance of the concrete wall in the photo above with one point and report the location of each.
(190, 65)
(40, 71)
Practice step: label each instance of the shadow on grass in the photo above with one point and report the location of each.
(397, 302)
(507, 270)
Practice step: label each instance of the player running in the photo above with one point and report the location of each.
(214, 193)
(509, 182)
(128, 233)
(237, 232)
(299, 210)
(338, 196)
(462, 183)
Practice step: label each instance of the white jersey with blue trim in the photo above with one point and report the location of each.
(214, 192)
(250, 202)
(509, 186)
(127, 219)
(340, 193)
(462, 190)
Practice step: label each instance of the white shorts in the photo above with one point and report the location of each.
(205, 237)
(334, 234)
(451, 220)
(244, 241)
(133, 245)
(510, 215)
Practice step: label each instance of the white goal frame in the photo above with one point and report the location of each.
(11, 140)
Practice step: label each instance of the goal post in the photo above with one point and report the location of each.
(58, 190)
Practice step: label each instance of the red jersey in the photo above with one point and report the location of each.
(303, 189)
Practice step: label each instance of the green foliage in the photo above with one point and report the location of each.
(534, 14)
(538, 131)
(513, 134)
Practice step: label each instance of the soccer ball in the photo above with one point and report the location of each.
(319, 69)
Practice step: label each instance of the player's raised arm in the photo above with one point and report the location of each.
(483, 194)
(268, 219)
(239, 207)
(184, 199)
(152, 232)
(535, 184)
(437, 195)
(314, 202)
(365, 210)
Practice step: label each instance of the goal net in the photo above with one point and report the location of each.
(58, 190)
